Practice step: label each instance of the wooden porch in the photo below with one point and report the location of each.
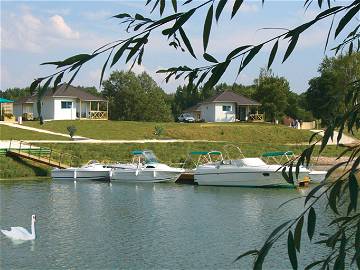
(94, 110)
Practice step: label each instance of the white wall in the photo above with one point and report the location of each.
(227, 116)
(64, 114)
(208, 112)
(47, 108)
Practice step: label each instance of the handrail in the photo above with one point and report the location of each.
(40, 151)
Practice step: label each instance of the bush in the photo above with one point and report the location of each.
(71, 130)
(158, 130)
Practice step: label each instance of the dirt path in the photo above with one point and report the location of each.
(41, 130)
(345, 139)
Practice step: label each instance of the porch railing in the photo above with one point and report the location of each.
(98, 115)
(256, 117)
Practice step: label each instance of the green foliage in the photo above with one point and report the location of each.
(135, 97)
(272, 92)
(15, 93)
(159, 130)
(71, 130)
(326, 94)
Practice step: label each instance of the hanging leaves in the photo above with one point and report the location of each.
(293, 41)
(346, 19)
(220, 8)
(311, 223)
(292, 251)
(207, 27)
(210, 58)
(273, 53)
(237, 5)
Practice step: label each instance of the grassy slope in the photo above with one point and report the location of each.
(13, 167)
(234, 132)
(7, 133)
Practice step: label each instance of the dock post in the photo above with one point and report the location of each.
(29, 151)
(20, 147)
(50, 155)
(10, 144)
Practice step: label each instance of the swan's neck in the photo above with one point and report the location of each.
(32, 228)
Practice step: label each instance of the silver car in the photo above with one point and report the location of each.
(186, 117)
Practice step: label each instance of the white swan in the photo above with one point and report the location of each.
(19, 233)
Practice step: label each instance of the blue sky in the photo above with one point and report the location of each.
(33, 32)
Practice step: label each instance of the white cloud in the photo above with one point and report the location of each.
(62, 28)
(26, 32)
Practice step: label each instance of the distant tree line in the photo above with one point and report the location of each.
(139, 98)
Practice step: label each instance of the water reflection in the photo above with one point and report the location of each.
(125, 225)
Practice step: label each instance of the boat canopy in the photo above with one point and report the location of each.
(148, 155)
(205, 153)
(277, 154)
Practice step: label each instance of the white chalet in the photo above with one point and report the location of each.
(227, 106)
(65, 103)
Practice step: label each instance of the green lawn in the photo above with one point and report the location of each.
(232, 132)
(8, 133)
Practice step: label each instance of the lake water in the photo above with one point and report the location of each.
(145, 226)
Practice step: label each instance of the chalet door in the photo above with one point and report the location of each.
(242, 113)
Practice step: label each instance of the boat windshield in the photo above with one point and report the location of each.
(150, 157)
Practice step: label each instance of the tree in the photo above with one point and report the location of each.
(15, 93)
(344, 190)
(134, 97)
(272, 92)
(326, 94)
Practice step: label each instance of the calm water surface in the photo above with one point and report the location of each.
(127, 226)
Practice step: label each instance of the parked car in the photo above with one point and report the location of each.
(186, 117)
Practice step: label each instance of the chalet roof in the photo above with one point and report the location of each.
(228, 96)
(193, 108)
(63, 91)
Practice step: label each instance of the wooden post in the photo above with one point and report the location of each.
(90, 111)
(20, 146)
(107, 110)
(29, 150)
(80, 109)
(98, 105)
(50, 155)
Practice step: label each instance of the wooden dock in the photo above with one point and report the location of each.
(42, 155)
(38, 159)
(186, 178)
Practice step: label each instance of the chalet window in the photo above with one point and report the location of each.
(226, 108)
(66, 104)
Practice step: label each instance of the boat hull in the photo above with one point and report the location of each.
(148, 176)
(243, 178)
(80, 174)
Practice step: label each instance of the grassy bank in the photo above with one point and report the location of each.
(7, 133)
(16, 168)
(232, 132)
